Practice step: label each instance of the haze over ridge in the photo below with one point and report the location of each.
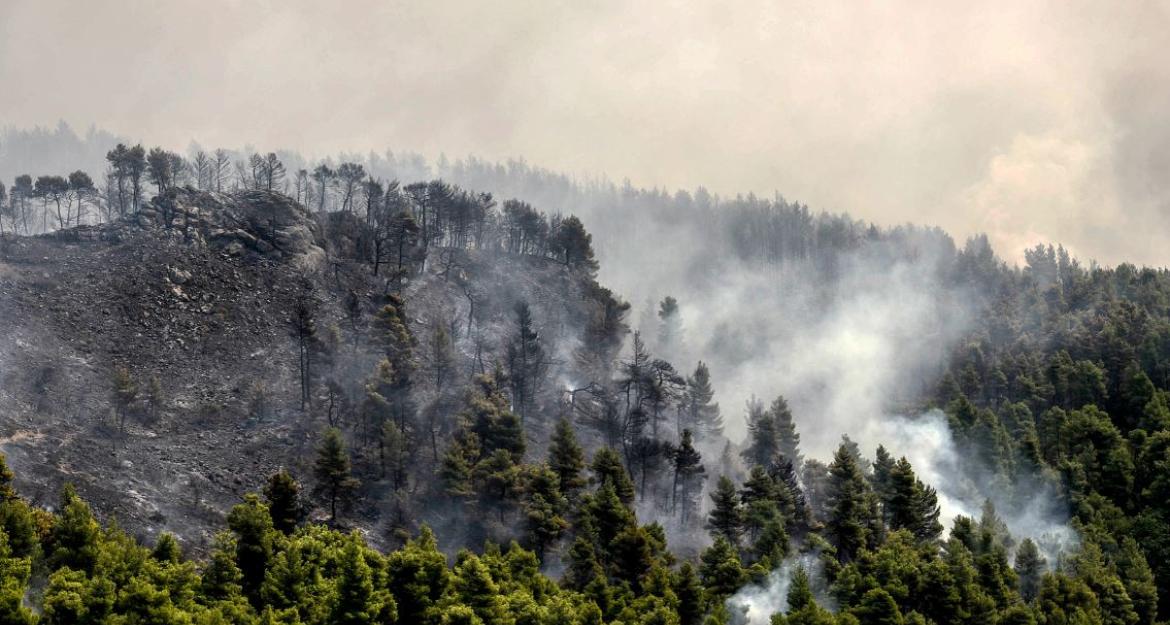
(1034, 121)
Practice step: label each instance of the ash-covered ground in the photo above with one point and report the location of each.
(197, 291)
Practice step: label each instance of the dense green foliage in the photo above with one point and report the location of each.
(1065, 384)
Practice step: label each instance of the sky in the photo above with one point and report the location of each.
(1032, 121)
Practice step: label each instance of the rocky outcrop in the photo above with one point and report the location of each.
(262, 223)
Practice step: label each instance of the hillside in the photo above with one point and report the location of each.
(941, 437)
(197, 292)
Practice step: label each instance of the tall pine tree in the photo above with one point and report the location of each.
(332, 471)
(848, 525)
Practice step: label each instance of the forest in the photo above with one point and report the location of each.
(477, 459)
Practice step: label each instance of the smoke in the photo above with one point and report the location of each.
(843, 350)
(853, 350)
(1036, 120)
(755, 604)
(851, 341)
(927, 442)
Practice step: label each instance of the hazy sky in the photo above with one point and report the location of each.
(1032, 121)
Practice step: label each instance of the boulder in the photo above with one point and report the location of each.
(265, 223)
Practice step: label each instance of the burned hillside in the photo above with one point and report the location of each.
(194, 302)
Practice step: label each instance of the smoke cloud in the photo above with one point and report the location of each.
(852, 355)
(1033, 121)
(755, 604)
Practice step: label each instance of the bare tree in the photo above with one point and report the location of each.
(243, 179)
(267, 171)
(274, 172)
(4, 208)
(220, 168)
(119, 171)
(135, 168)
(180, 170)
(304, 330)
(302, 186)
(350, 175)
(324, 176)
(202, 165)
(81, 187)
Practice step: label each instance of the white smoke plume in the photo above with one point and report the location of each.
(926, 441)
(852, 356)
(755, 604)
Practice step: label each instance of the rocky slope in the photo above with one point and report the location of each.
(196, 290)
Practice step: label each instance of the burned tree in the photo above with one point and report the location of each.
(304, 331)
(526, 361)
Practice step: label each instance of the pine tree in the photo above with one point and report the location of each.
(883, 466)
(700, 413)
(442, 355)
(221, 578)
(7, 492)
(303, 327)
(800, 593)
(567, 459)
(14, 578)
(1029, 569)
(814, 481)
(19, 522)
(726, 516)
(771, 546)
(393, 380)
(689, 590)
(813, 614)
(721, 570)
(456, 470)
(761, 498)
(574, 244)
(788, 443)
(166, 549)
(763, 437)
(396, 454)
(74, 540)
(912, 505)
(1139, 580)
(631, 556)
(152, 399)
(670, 324)
(282, 493)
(125, 394)
(356, 602)
(418, 577)
(482, 465)
(689, 474)
(877, 607)
(847, 525)
(854, 450)
(474, 587)
(392, 333)
(583, 566)
(792, 501)
(526, 361)
(544, 507)
(497, 482)
(608, 469)
(605, 516)
(254, 534)
(488, 417)
(332, 471)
